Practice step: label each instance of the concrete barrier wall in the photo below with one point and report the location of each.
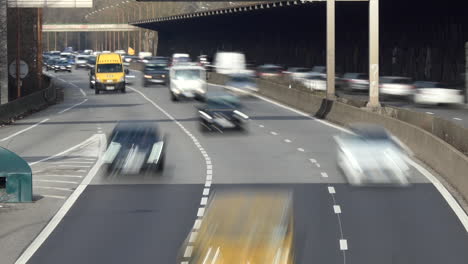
(430, 138)
(30, 103)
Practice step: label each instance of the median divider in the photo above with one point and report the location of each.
(439, 143)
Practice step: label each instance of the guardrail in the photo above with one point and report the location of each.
(31, 103)
(439, 143)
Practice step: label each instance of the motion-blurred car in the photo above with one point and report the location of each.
(50, 64)
(354, 82)
(269, 70)
(222, 110)
(155, 72)
(318, 70)
(433, 93)
(244, 84)
(135, 147)
(371, 156)
(187, 81)
(244, 227)
(204, 60)
(128, 59)
(129, 76)
(396, 86)
(179, 58)
(296, 72)
(62, 65)
(81, 61)
(314, 82)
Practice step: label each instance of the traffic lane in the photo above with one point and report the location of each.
(55, 133)
(123, 224)
(410, 225)
(455, 113)
(249, 156)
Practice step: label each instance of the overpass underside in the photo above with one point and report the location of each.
(422, 39)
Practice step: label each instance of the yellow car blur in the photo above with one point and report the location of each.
(243, 227)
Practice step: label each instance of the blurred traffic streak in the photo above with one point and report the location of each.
(230, 63)
(297, 72)
(353, 82)
(222, 111)
(314, 82)
(433, 93)
(135, 147)
(372, 156)
(244, 227)
(269, 70)
(396, 86)
(244, 84)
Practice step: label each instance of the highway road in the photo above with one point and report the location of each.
(455, 113)
(145, 219)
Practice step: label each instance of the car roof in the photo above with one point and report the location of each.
(187, 67)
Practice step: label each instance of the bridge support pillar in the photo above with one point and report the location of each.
(330, 49)
(373, 54)
(3, 53)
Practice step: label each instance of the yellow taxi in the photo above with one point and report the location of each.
(248, 227)
(109, 73)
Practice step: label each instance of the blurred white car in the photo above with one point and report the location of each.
(242, 84)
(396, 86)
(432, 93)
(186, 81)
(297, 72)
(372, 157)
(314, 82)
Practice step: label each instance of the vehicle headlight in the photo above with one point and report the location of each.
(163, 75)
(147, 76)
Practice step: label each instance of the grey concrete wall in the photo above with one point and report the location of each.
(3, 53)
(30, 103)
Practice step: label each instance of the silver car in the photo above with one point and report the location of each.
(372, 157)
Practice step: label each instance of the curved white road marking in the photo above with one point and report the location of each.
(73, 106)
(24, 130)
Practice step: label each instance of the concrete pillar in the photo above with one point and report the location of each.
(466, 72)
(330, 49)
(3, 53)
(373, 54)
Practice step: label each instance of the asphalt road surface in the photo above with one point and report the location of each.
(122, 219)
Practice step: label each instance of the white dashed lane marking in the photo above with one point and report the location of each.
(324, 174)
(274, 133)
(262, 126)
(337, 209)
(429, 113)
(456, 118)
(343, 244)
(300, 149)
(287, 141)
(331, 190)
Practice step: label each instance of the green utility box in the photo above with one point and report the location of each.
(15, 178)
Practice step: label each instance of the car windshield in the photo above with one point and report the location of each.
(113, 67)
(223, 102)
(186, 75)
(140, 137)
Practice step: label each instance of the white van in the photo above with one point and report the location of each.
(230, 63)
(187, 81)
(178, 58)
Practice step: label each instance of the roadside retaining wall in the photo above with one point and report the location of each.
(435, 141)
(31, 103)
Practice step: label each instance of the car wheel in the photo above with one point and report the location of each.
(96, 91)
(173, 97)
(123, 90)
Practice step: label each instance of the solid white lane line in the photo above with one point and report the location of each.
(74, 166)
(54, 181)
(343, 244)
(287, 141)
(430, 113)
(206, 191)
(331, 189)
(452, 202)
(53, 188)
(53, 223)
(24, 130)
(83, 92)
(188, 252)
(456, 118)
(324, 174)
(197, 224)
(48, 196)
(201, 212)
(300, 149)
(274, 133)
(337, 209)
(73, 106)
(57, 175)
(203, 201)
